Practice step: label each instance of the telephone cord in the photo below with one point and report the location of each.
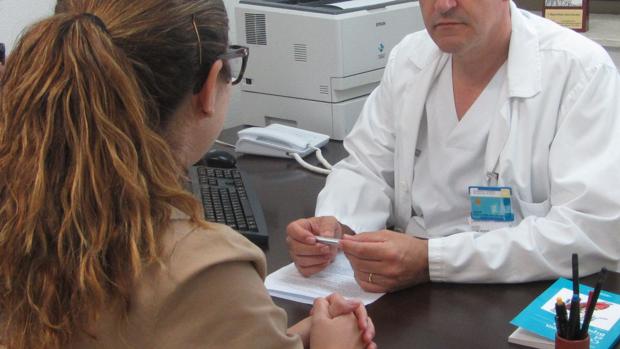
(225, 144)
(302, 162)
(307, 166)
(322, 160)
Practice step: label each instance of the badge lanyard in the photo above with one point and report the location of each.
(490, 205)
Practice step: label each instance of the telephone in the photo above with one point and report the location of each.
(279, 141)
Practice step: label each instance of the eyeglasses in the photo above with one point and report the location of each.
(235, 60)
(2, 53)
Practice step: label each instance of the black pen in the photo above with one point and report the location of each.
(573, 319)
(575, 274)
(560, 310)
(592, 303)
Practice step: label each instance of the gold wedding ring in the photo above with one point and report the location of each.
(370, 278)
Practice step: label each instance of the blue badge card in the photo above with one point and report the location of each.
(539, 316)
(491, 204)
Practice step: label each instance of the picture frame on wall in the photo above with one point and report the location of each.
(572, 14)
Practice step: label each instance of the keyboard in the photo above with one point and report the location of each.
(227, 198)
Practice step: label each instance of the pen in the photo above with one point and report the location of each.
(573, 320)
(560, 310)
(575, 274)
(592, 303)
(590, 297)
(327, 241)
(589, 300)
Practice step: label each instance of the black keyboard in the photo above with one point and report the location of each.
(227, 198)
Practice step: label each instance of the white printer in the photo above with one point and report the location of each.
(313, 62)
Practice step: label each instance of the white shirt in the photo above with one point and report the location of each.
(556, 142)
(439, 192)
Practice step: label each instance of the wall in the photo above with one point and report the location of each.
(614, 52)
(15, 15)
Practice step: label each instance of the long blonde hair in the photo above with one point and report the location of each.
(87, 182)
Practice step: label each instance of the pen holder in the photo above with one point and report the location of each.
(562, 343)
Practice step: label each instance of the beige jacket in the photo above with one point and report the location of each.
(208, 293)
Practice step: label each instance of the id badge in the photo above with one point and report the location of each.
(491, 207)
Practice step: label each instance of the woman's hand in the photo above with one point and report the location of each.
(339, 306)
(341, 332)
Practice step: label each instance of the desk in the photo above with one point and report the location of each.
(427, 316)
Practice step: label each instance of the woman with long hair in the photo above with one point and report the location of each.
(102, 108)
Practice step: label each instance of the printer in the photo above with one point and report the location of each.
(313, 63)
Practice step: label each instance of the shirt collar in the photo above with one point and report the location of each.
(524, 68)
(524, 59)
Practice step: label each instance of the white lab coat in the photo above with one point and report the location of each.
(556, 142)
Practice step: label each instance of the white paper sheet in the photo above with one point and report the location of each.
(526, 338)
(346, 5)
(289, 284)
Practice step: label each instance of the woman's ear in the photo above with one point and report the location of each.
(205, 99)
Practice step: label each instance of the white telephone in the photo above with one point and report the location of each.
(284, 142)
(279, 141)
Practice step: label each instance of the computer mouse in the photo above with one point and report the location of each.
(219, 158)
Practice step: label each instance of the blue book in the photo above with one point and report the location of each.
(539, 316)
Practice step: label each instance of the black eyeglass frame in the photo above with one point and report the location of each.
(233, 51)
(236, 51)
(2, 53)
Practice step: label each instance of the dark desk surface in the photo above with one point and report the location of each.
(434, 315)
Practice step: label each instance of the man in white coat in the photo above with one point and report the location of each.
(488, 99)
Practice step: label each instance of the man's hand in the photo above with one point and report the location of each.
(309, 256)
(386, 261)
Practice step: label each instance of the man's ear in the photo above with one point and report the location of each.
(206, 98)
